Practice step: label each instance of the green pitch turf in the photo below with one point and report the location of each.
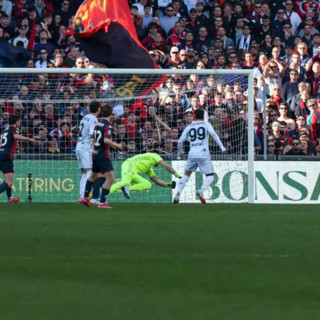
(149, 262)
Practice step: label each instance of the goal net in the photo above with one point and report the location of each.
(151, 109)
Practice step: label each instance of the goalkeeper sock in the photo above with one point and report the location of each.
(182, 183)
(97, 186)
(104, 195)
(89, 185)
(4, 186)
(207, 182)
(9, 193)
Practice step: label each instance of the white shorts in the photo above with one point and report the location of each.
(84, 156)
(204, 165)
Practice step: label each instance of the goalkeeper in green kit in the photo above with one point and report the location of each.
(142, 163)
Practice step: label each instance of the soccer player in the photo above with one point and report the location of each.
(8, 143)
(142, 163)
(84, 144)
(101, 158)
(198, 133)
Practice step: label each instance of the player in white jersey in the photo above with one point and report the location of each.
(84, 144)
(199, 156)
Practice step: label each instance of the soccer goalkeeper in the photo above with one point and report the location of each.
(142, 163)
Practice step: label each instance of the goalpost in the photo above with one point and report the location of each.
(150, 106)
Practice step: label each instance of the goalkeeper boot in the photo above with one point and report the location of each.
(103, 206)
(200, 195)
(13, 200)
(176, 199)
(126, 192)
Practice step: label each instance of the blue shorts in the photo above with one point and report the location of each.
(101, 165)
(6, 165)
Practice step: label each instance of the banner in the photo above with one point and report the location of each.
(58, 181)
(275, 182)
(292, 182)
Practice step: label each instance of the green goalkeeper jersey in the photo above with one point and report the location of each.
(143, 163)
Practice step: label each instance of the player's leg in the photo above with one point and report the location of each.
(206, 168)
(96, 188)
(126, 177)
(86, 173)
(109, 176)
(140, 183)
(84, 159)
(191, 166)
(108, 173)
(93, 177)
(8, 172)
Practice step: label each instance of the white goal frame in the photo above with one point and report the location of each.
(218, 72)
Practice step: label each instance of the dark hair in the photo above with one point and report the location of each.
(106, 111)
(199, 114)
(94, 106)
(13, 119)
(152, 24)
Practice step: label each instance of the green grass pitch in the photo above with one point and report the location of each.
(159, 261)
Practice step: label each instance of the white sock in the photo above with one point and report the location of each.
(82, 185)
(206, 183)
(182, 184)
(83, 181)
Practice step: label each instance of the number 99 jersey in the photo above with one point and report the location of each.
(198, 134)
(101, 130)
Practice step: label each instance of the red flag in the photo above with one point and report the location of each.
(107, 34)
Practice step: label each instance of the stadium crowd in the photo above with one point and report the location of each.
(279, 40)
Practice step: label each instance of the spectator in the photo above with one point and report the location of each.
(43, 44)
(272, 75)
(4, 24)
(21, 38)
(295, 150)
(291, 15)
(290, 88)
(177, 36)
(168, 21)
(245, 40)
(299, 102)
(64, 12)
(20, 10)
(306, 145)
(72, 57)
(313, 120)
(283, 108)
(44, 60)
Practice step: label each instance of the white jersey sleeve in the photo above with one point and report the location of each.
(86, 128)
(198, 135)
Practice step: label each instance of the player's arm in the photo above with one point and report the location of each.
(216, 138)
(169, 168)
(23, 138)
(112, 144)
(162, 183)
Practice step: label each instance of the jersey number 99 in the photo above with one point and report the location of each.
(195, 134)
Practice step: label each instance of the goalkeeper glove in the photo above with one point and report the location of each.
(172, 184)
(177, 175)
